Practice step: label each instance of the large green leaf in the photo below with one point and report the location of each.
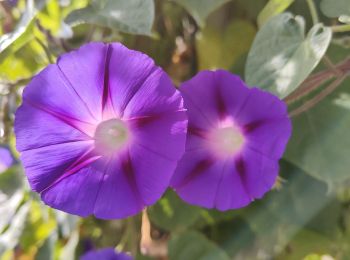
(321, 138)
(193, 245)
(282, 56)
(171, 213)
(130, 16)
(278, 217)
(335, 8)
(200, 9)
(272, 8)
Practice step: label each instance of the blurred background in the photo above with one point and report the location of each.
(305, 216)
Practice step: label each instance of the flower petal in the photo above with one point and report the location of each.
(258, 172)
(105, 254)
(76, 193)
(199, 98)
(31, 134)
(128, 70)
(196, 178)
(164, 134)
(156, 96)
(51, 90)
(269, 137)
(84, 70)
(44, 165)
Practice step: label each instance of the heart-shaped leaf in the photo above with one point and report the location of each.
(282, 56)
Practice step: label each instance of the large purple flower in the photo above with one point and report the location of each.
(236, 136)
(6, 158)
(105, 254)
(101, 131)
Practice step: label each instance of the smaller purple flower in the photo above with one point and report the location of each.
(13, 3)
(105, 254)
(236, 135)
(6, 158)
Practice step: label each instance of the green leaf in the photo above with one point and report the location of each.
(47, 250)
(304, 243)
(171, 213)
(39, 226)
(272, 8)
(200, 9)
(222, 48)
(13, 41)
(335, 8)
(193, 245)
(130, 16)
(321, 138)
(23, 63)
(282, 56)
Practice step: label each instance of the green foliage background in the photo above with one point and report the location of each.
(296, 49)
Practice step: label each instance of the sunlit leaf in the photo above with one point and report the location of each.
(68, 251)
(39, 226)
(10, 238)
(305, 243)
(272, 8)
(67, 223)
(200, 9)
(222, 48)
(130, 16)
(8, 207)
(171, 213)
(11, 194)
(23, 63)
(21, 34)
(282, 56)
(51, 17)
(193, 245)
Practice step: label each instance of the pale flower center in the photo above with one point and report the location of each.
(227, 141)
(111, 136)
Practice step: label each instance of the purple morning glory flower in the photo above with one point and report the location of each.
(101, 131)
(236, 136)
(105, 254)
(6, 158)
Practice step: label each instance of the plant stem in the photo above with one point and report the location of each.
(324, 93)
(313, 11)
(315, 81)
(46, 50)
(148, 246)
(341, 28)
